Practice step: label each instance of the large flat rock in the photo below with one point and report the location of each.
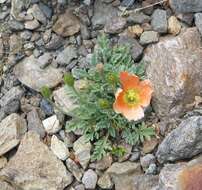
(28, 71)
(175, 70)
(11, 130)
(34, 166)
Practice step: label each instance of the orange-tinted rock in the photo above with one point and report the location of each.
(67, 24)
(174, 69)
(191, 178)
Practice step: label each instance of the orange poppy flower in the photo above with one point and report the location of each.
(133, 97)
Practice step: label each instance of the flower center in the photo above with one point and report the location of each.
(131, 97)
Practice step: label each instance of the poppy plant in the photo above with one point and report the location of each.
(134, 96)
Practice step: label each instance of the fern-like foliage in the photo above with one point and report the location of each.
(94, 115)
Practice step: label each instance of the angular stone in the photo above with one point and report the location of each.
(105, 182)
(17, 6)
(34, 123)
(104, 163)
(66, 56)
(59, 149)
(138, 18)
(89, 179)
(15, 93)
(198, 21)
(67, 27)
(64, 100)
(145, 182)
(74, 169)
(174, 26)
(37, 13)
(149, 37)
(135, 48)
(122, 174)
(37, 77)
(31, 24)
(11, 130)
(149, 145)
(3, 162)
(34, 166)
(186, 145)
(188, 6)
(174, 70)
(102, 13)
(115, 25)
(52, 124)
(82, 150)
(159, 21)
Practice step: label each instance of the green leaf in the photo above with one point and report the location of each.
(46, 92)
(102, 147)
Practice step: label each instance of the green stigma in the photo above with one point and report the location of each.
(132, 97)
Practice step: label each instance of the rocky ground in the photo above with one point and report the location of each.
(40, 40)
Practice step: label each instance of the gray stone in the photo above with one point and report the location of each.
(127, 3)
(198, 21)
(115, 25)
(136, 49)
(149, 37)
(37, 78)
(135, 156)
(3, 162)
(54, 43)
(37, 13)
(151, 170)
(169, 176)
(146, 160)
(122, 174)
(66, 56)
(89, 179)
(59, 149)
(74, 169)
(11, 130)
(15, 93)
(65, 101)
(67, 27)
(105, 182)
(46, 10)
(15, 25)
(12, 107)
(34, 123)
(35, 166)
(1, 48)
(46, 107)
(52, 124)
(188, 6)
(174, 70)
(6, 186)
(159, 21)
(17, 6)
(187, 18)
(138, 18)
(145, 182)
(102, 13)
(184, 175)
(104, 163)
(4, 14)
(82, 149)
(45, 60)
(186, 145)
(26, 35)
(32, 24)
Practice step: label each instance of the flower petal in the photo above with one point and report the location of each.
(145, 92)
(135, 113)
(128, 80)
(119, 103)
